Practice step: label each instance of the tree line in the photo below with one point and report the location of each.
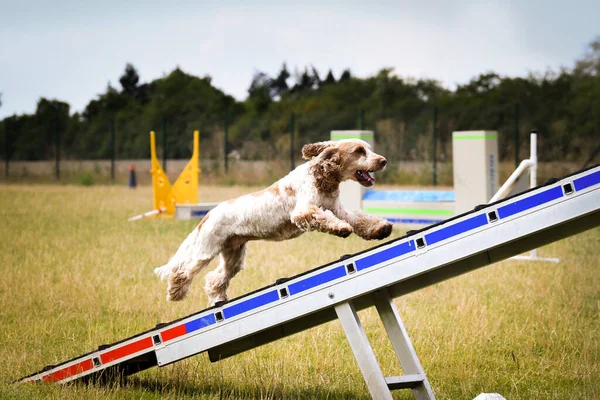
(405, 113)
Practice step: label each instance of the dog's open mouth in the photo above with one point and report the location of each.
(365, 178)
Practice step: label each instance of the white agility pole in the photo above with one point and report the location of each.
(525, 165)
(147, 214)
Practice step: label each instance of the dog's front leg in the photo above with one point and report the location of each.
(313, 218)
(366, 226)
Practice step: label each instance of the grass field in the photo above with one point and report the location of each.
(76, 274)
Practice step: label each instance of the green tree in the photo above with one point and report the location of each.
(346, 75)
(129, 80)
(279, 85)
(51, 118)
(583, 105)
(329, 79)
(316, 80)
(307, 80)
(590, 64)
(563, 105)
(259, 93)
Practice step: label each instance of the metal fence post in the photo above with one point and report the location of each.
(435, 118)
(6, 148)
(362, 120)
(164, 144)
(57, 149)
(112, 150)
(225, 149)
(292, 129)
(516, 136)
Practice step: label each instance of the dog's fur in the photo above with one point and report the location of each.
(307, 199)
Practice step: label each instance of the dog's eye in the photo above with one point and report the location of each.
(360, 151)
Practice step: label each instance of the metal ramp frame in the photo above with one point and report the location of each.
(373, 277)
(380, 386)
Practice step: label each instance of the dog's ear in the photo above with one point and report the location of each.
(330, 162)
(330, 155)
(327, 170)
(314, 149)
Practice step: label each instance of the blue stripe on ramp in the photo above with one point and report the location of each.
(530, 202)
(385, 255)
(317, 280)
(200, 323)
(456, 229)
(250, 304)
(587, 181)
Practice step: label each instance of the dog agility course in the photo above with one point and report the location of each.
(337, 290)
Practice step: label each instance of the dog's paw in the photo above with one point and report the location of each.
(379, 232)
(216, 284)
(343, 231)
(218, 300)
(179, 285)
(176, 295)
(384, 231)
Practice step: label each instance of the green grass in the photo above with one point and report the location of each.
(76, 274)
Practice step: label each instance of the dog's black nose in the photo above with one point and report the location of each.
(383, 162)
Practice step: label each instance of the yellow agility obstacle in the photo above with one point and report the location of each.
(185, 188)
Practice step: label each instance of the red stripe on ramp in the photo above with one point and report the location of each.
(173, 332)
(67, 372)
(126, 350)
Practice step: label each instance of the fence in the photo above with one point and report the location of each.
(258, 149)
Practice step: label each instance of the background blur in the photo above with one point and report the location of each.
(82, 85)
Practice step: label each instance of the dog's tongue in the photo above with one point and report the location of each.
(370, 177)
(367, 176)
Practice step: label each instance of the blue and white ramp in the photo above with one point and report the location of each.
(373, 277)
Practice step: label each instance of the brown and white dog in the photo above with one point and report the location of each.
(307, 199)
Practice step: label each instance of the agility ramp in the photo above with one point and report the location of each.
(481, 237)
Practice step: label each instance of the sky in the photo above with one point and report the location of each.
(71, 49)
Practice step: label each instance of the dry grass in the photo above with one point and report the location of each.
(76, 274)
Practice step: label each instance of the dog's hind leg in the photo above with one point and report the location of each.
(181, 279)
(194, 254)
(217, 281)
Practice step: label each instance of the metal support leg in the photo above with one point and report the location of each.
(362, 351)
(380, 386)
(402, 345)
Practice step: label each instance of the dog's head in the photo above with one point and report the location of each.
(340, 160)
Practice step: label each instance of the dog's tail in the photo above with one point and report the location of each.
(165, 271)
(183, 257)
